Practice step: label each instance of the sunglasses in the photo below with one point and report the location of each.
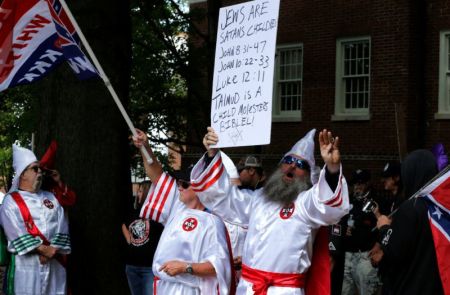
(35, 168)
(241, 169)
(299, 163)
(183, 183)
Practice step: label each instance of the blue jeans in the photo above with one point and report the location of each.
(140, 279)
(360, 277)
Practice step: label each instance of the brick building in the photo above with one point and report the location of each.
(377, 73)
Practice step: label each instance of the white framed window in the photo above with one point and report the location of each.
(444, 76)
(288, 84)
(352, 96)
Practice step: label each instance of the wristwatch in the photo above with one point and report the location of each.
(189, 269)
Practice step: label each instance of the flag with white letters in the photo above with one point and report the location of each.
(438, 196)
(35, 37)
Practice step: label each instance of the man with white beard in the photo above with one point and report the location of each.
(36, 230)
(283, 218)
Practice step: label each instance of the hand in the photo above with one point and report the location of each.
(209, 139)
(348, 232)
(43, 260)
(376, 210)
(54, 174)
(329, 149)
(47, 251)
(375, 255)
(174, 267)
(383, 220)
(141, 139)
(237, 261)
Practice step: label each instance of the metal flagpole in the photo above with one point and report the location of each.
(105, 78)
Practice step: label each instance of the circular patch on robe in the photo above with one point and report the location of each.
(139, 232)
(287, 211)
(190, 224)
(48, 204)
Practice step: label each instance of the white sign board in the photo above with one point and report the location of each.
(241, 108)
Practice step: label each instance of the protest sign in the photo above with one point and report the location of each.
(241, 108)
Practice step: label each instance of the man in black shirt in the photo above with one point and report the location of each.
(359, 275)
(142, 237)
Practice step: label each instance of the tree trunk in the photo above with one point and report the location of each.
(93, 150)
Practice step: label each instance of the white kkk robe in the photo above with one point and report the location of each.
(279, 239)
(30, 276)
(189, 235)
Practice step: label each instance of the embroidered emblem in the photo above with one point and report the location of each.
(139, 232)
(336, 229)
(190, 224)
(331, 246)
(386, 238)
(287, 211)
(48, 204)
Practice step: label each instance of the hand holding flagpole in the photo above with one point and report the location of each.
(105, 79)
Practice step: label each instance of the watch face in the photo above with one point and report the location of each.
(189, 269)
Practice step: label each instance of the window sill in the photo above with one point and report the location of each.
(195, 1)
(278, 118)
(351, 117)
(442, 116)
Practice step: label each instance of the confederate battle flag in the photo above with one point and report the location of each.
(438, 197)
(36, 36)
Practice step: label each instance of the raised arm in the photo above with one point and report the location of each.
(212, 180)
(328, 200)
(162, 199)
(153, 170)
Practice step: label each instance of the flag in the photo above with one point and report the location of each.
(438, 196)
(35, 37)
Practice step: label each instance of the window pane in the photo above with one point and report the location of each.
(290, 83)
(356, 74)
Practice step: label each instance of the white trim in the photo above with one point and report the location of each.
(351, 117)
(277, 114)
(340, 112)
(195, 1)
(444, 87)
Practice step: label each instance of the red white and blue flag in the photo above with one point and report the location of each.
(438, 197)
(35, 37)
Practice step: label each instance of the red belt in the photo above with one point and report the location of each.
(262, 280)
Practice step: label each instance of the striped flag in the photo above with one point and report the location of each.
(35, 37)
(438, 196)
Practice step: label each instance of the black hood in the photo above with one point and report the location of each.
(417, 169)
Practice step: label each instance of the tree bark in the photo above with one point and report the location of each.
(93, 148)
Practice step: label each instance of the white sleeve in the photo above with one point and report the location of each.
(216, 192)
(162, 199)
(61, 239)
(321, 206)
(216, 251)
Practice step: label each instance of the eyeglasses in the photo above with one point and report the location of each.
(35, 168)
(299, 163)
(183, 183)
(241, 169)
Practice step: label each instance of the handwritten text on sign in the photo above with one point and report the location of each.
(241, 108)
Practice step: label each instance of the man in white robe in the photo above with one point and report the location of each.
(283, 218)
(193, 253)
(36, 248)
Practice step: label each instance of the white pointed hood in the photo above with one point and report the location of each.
(304, 148)
(22, 157)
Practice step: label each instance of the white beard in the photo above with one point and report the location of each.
(277, 190)
(37, 183)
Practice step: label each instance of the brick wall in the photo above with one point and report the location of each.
(404, 77)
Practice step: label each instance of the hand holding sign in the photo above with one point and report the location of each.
(210, 139)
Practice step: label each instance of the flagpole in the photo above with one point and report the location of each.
(105, 79)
